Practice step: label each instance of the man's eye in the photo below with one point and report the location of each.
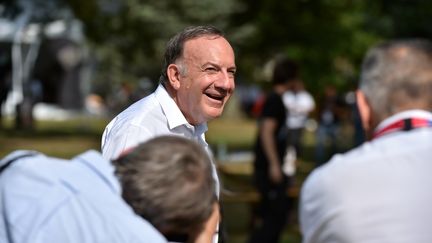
(211, 69)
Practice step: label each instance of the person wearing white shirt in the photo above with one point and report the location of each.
(196, 82)
(380, 191)
(298, 103)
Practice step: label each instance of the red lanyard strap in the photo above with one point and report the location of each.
(403, 125)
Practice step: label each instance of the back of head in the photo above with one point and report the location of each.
(174, 48)
(397, 76)
(168, 181)
(285, 70)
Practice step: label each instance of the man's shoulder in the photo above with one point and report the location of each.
(43, 172)
(341, 167)
(145, 110)
(139, 122)
(142, 106)
(22, 163)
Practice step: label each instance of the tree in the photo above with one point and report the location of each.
(327, 37)
(129, 36)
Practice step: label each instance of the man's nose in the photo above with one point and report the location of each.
(225, 81)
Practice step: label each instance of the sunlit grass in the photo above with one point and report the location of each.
(235, 133)
(63, 139)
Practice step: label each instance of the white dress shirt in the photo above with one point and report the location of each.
(152, 116)
(379, 192)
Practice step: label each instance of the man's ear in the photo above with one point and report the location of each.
(173, 73)
(364, 110)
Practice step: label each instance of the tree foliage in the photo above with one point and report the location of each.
(129, 36)
(327, 37)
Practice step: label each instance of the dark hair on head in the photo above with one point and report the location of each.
(285, 70)
(168, 181)
(174, 48)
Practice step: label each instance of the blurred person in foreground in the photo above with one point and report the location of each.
(380, 191)
(270, 147)
(143, 196)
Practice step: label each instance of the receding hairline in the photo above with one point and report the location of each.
(206, 37)
(187, 46)
(175, 46)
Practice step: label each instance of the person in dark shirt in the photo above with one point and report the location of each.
(269, 151)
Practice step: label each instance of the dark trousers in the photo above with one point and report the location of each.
(271, 213)
(295, 140)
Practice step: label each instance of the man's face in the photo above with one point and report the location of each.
(208, 78)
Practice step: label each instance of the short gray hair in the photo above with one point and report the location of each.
(168, 181)
(175, 46)
(397, 73)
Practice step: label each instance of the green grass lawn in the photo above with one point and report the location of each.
(63, 139)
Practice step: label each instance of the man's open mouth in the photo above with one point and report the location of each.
(218, 97)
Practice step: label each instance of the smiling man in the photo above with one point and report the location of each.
(202, 80)
(196, 82)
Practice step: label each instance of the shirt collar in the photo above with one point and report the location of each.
(403, 115)
(201, 129)
(173, 113)
(100, 166)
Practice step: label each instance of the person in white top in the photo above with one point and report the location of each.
(196, 82)
(298, 103)
(380, 191)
